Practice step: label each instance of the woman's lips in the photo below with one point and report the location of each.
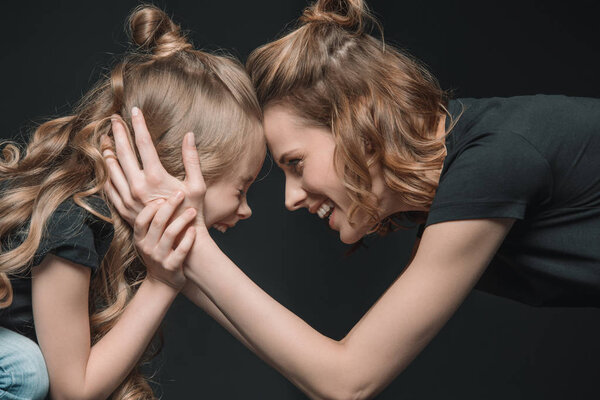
(331, 218)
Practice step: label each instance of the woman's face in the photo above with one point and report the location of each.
(225, 201)
(306, 155)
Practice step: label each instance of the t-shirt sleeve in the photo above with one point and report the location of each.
(499, 175)
(75, 234)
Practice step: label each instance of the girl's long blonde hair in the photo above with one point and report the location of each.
(331, 73)
(179, 90)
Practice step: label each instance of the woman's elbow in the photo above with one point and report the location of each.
(349, 392)
(348, 386)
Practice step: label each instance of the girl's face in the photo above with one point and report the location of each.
(306, 155)
(225, 201)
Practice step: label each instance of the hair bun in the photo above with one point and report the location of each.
(151, 29)
(348, 14)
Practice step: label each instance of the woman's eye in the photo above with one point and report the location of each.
(295, 164)
(241, 193)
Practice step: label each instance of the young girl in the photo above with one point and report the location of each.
(507, 190)
(71, 278)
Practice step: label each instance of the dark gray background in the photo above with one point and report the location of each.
(492, 348)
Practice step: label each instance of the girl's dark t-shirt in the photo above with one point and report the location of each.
(71, 233)
(535, 159)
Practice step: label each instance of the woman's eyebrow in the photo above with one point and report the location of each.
(284, 156)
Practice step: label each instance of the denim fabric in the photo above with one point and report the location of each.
(23, 374)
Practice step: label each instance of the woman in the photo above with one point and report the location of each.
(70, 276)
(364, 134)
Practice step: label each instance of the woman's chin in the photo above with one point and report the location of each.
(350, 236)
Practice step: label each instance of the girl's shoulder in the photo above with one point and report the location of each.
(71, 232)
(75, 233)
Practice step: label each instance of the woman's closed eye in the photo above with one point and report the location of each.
(295, 164)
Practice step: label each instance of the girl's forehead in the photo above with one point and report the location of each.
(251, 161)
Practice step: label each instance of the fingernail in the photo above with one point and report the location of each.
(160, 201)
(190, 139)
(179, 195)
(191, 211)
(135, 111)
(106, 153)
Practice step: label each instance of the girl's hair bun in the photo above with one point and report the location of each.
(151, 29)
(348, 14)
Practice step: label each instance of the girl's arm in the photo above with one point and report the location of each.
(129, 201)
(451, 258)
(60, 289)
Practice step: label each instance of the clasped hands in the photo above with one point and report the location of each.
(165, 212)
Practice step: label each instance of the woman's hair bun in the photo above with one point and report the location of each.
(151, 29)
(348, 14)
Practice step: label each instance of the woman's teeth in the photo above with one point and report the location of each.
(325, 210)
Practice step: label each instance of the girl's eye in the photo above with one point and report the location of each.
(241, 193)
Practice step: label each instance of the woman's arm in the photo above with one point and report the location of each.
(451, 258)
(60, 289)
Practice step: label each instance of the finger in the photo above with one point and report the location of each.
(143, 141)
(119, 181)
(115, 199)
(105, 142)
(125, 154)
(191, 163)
(174, 231)
(143, 220)
(177, 257)
(162, 217)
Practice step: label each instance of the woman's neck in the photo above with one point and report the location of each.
(391, 202)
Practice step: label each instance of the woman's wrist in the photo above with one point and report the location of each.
(161, 287)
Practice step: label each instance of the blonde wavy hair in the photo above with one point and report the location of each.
(180, 90)
(332, 73)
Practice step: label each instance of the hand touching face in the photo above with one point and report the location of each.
(222, 204)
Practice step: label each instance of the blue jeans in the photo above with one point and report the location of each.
(23, 374)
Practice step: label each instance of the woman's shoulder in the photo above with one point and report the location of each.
(521, 113)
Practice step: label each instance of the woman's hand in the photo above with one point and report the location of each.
(132, 188)
(155, 238)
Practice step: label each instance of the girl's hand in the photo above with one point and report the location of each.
(132, 188)
(154, 239)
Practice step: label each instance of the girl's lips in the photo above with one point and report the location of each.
(222, 227)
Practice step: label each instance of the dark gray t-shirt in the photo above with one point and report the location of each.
(72, 233)
(535, 159)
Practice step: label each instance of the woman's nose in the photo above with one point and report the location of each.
(294, 195)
